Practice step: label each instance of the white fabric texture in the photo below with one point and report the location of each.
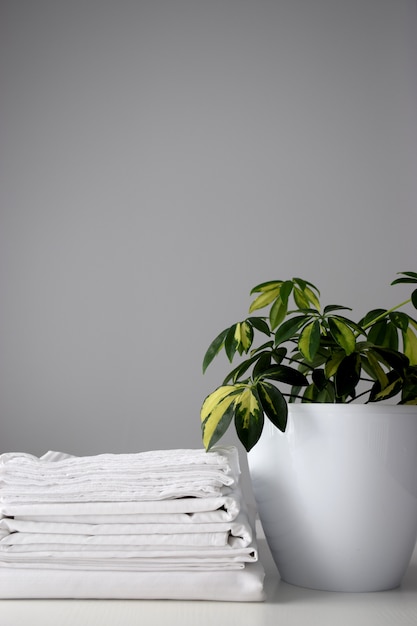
(170, 514)
(236, 586)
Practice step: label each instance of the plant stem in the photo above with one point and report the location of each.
(381, 317)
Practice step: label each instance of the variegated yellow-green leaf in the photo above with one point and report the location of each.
(277, 313)
(377, 370)
(300, 299)
(249, 418)
(333, 363)
(410, 346)
(215, 398)
(309, 340)
(215, 414)
(312, 298)
(342, 334)
(266, 286)
(390, 390)
(273, 403)
(247, 407)
(266, 297)
(244, 336)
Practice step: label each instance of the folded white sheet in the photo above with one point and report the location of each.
(161, 524)
(235, 533)
(244, 585)
(211, 508)
(153, 475)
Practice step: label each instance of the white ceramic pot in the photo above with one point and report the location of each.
(337, 494)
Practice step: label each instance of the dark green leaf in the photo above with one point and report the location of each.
(414, 298)
(319, 379)
(408, 277)
(334, 307)
(348, 375)
(264, 346)
(214, 348)
(263, 363)
(400, 320)
(278, 354)
(379, 333)
(285, 374)
(288, 329)
(241, 369)
(273, 404)
(371, 316)
(285, 292)
(392, 388)
(230, 342)
(396, 360)
(260, 324)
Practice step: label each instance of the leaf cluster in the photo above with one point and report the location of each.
(308, 353)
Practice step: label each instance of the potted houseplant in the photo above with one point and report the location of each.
(327, 409)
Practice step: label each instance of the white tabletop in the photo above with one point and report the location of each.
(285, 604)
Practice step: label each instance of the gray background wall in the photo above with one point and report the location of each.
(158, 159)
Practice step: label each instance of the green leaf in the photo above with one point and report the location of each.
(289, 328)
(348, 375)
(396, 360)
(244, 335)
(309, 340)
(319, 379)
(410, 346)
(263, 363)
(214, 348)
(390, 390)
(285, 374)
(268, 292)
(373, 368)
(269, 285)
(400, 320)
(260, 324)
(277, 313)
(408, 277)
(231, 343)
(278, 354)
(241, 369)
(409, 391)
(371, 316)
(342, 334)
(273, 404)
(334, 307)
(378, 333)
(332, 364)
(249, 418)
(414, 298)
(300, 299)
(352, 325)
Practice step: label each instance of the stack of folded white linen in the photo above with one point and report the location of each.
(166, 524)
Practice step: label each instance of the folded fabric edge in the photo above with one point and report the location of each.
(246, 585)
